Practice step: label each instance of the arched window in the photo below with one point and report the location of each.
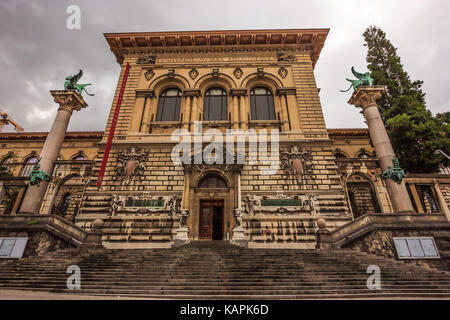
(169, 105)
(215, 104)
(261, 104)
(339, 155)
(364, 155)
(79, 157)
(28, 166)
(212, 181)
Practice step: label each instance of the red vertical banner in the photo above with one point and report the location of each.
(113, 127)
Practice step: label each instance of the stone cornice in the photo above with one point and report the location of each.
(303, 39)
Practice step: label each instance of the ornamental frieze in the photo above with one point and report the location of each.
(130, 164)
(280, 203)
(145, 204)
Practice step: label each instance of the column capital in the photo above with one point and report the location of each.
(365, 96)
(69, 100)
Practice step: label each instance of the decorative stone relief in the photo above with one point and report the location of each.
(193, 73)
(146, 59)
(238, 73)
(283, 72)
(174, 204)
(215, 72)
(279, 203)
(282, 56)
(149, 204)
(223, 168)
(297, 163)
(130, 164)
(149, 74)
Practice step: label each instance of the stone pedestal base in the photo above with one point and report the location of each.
(239, 237)
(182, 236)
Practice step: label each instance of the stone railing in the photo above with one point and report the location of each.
(372, 222)
(55, 225)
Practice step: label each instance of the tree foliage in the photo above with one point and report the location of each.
(414, 132)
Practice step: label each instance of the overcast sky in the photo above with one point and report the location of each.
(37, 51)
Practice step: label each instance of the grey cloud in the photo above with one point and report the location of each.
(37, 51)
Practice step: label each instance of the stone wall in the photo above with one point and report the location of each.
(39, 243)
(382, 243)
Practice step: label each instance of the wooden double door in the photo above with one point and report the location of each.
(211, 220)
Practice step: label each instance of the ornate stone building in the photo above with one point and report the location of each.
(246, 81)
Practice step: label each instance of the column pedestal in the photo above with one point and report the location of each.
(365, 98)
(68, 100)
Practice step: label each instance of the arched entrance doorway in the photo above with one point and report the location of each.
(211, 215)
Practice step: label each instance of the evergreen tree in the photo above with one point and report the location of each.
(414, 132)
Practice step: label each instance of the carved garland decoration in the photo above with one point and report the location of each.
(130, 164)
(297, 163)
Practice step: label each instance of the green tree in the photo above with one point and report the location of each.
(415, 133)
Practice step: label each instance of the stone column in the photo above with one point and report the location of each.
(365, 98)
(68, 101)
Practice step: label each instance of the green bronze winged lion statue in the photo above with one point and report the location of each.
(364, 79)
(71, 83)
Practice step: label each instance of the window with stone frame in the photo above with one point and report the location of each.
(427, 198)
(28, 166)
(261, 104)
(215, 104)
(169, 104)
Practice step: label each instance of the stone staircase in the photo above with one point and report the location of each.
(219, 270)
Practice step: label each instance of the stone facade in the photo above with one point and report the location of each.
(320, 171)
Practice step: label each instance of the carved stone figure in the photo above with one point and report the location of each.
(174, 204)
(146, 59)
(130, 164)
(250, 203)
(313, 201)
(183, 217)
(238, 216)
(117, 203)
(297, 163)
(282, 56)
